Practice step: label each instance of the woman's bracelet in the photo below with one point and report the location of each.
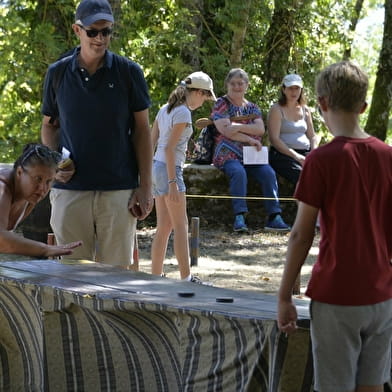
(172, 181)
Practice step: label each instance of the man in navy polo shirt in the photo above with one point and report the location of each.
(95, 107)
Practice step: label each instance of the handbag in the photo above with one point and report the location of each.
(205, 145)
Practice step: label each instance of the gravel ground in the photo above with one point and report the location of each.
(252, 262)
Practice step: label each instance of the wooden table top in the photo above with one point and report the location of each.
(107, 282)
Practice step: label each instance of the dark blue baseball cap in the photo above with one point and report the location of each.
(90, 11)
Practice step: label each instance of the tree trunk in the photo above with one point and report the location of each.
(353, 25)
(191, 54)
(377, 122)
(239, 32)
(279, 40)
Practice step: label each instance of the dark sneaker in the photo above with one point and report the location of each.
(239, 223)
(277, 224)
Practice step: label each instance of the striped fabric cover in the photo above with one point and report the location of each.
(21, 340)
(114, 345)
(53, 340)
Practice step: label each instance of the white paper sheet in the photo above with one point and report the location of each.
(65, 153)
(254, 157)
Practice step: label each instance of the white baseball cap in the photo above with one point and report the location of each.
(292, 80)
(202, 81)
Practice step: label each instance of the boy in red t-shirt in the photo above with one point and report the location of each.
(348, 180)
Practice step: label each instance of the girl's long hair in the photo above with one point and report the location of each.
(177, 97)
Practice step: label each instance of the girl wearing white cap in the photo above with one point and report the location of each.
(171, 131)
(290, 130)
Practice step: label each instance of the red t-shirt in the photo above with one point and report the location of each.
(350, 181)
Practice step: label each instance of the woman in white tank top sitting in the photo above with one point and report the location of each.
(21, 188)
(290, 130)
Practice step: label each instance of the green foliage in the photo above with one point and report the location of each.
(28, 45)
(154, 34)
(170, 39)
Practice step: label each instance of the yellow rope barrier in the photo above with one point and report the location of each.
(239, 197)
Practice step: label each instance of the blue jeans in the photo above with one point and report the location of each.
(265, 177)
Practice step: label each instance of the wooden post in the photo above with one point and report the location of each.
(195, 223)
(51, 240)
(135, 256)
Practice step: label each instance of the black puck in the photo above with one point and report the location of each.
(225, 299)
(186, 293)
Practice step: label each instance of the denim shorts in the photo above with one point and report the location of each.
(351, 345)
(160, 186)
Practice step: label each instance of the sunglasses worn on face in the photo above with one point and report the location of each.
(92, 33)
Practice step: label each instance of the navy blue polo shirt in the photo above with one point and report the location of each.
(95, 114)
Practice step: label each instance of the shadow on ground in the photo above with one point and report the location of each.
(251, 261)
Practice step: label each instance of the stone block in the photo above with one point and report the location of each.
(207, 198)
(206, 191)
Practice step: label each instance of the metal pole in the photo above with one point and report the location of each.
(195, 223)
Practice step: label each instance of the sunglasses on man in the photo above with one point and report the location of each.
(92, 33)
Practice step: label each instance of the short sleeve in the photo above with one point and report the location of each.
(311, 185)
(49, 106)
(181, 115)
(220, 109)
(139, 95)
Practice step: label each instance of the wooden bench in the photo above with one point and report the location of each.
(204, 182)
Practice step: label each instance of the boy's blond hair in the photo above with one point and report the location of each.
(344, 85)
